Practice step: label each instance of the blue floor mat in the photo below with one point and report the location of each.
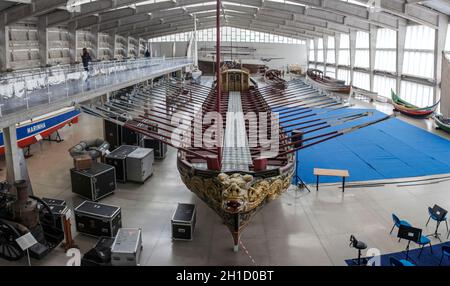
(426, 259)
(387, 150)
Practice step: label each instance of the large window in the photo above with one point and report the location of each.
(320, 50)
(361, 80)
(362, 50)
(383, 85)
(320, 67)
(419, 51)
(419, 64)
(417, 94)
(311, 56)
(331, 59)
(344, 74)
(344, 50)
(386, 51)
(230, 34)
(331, 72)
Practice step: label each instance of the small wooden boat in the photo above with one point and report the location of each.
(442, 122)
(410, 109)
(327, 83)
(274, 77)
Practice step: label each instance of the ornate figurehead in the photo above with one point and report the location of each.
(235, 191)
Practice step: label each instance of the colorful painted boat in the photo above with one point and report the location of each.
(410, 109)
(317, 78)
(31, 131)
(442, 122)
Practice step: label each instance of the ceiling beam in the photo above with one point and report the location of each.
(34, 9)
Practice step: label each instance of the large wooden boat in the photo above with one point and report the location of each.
(410, 109)
(238, 182)
(318, 79)
(242, 169)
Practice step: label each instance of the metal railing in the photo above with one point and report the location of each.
(21, 90)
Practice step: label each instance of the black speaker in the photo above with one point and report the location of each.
(297, 135)
(113, 134)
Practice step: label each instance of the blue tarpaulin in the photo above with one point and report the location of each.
(387, 150)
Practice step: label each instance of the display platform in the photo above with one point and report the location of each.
(426, 258)
(388, 150)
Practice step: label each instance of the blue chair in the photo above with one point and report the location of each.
(423, 242)
(402, 262)
(438, 221)
(445, 252)
(398, 223)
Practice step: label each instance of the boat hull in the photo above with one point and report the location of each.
(338, 88)
(441, 124)
(409, 109)
(412, 112)
(27, 132)
(215, 190)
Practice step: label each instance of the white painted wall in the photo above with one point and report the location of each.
(290, 53)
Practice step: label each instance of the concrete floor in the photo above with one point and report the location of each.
(300, 228)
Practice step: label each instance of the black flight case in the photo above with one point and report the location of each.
(118, 159)
(94, 183)
(183, 222)
(97, 219)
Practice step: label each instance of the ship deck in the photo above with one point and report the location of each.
(236, 154)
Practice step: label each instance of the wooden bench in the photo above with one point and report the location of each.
(333, 173)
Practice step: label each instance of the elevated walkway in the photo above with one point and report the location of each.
(25, 96)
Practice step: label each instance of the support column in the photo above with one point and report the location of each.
(316, 45)
(12, 155)
(43, 41)
(128, 48)
(73, 42)
(174, 49)
(141, 48)
(325, 54)
(352, 46)
(4, 44)
(95, 41)
(112, 42)
(136, 47)
(196, 43)
(401, 36)
(308, 49)
(337, 45)
(439, 48)
(372, 52)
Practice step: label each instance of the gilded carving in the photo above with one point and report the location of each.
(235, 193)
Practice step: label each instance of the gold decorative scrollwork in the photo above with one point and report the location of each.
(236, 193)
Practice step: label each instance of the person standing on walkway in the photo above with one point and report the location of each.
(86, 59)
